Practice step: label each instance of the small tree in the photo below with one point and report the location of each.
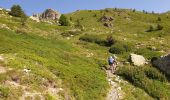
(17, 11)
(64, 21)
(159, 27)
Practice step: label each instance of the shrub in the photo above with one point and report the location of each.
(142, 78)
(93, 39)
(4, 92)
(153, 73)
(120, 48)
(150, 29)
(110, 40)
(159, 19)
(71, 18)
(69, 33)
(95, 15)
(64, 21)
(159, 27)
(78, 24)
(117, 49)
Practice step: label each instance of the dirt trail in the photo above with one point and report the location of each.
(114, 93)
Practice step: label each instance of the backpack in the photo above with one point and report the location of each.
(111, 60)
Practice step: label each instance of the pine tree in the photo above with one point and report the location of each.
(17, 11)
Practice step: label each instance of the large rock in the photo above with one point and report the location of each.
(163, 63)
(137, 60)
(50, 14)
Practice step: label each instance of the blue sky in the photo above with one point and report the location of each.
(66, 6)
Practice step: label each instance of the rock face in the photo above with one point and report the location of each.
(50, 14)
(137, 60)
(163, 63)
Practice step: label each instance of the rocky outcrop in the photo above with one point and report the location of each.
(137, 60)
(163, 63)
(35, 18)
(106, 18)
(50, 14)
(106, 21)
(108, 24)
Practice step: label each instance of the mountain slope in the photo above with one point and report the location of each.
(43, 56)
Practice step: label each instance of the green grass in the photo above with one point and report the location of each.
(55, 58)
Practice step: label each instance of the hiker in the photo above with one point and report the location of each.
(112, 62)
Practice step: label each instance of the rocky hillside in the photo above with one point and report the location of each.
(45, 61)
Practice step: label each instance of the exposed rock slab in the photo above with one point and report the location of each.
(137, 60)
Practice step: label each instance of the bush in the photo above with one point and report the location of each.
(120, 48)
(78, 24)
(69, 33)
(93, 39)
(150, 29)
(153, 73)
(64, 21)
(4, 92)
(95, 15)
(159, 19)
(110, 40)
(159, 27)
(146, 78)
(117, 49)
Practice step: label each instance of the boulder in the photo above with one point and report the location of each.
(163, 63)
(137, 60)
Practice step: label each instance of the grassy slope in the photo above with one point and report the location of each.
(56, 58)
(66, 59)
